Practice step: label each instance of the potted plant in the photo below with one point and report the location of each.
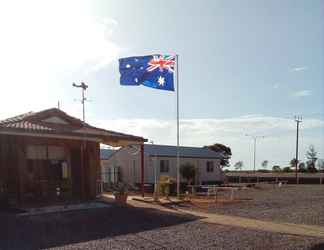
(121, 193)
(164, 185)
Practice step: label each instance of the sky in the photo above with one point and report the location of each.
(245, 67)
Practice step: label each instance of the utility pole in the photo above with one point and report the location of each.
(84, 88)
(155, 175)
(254, 137)
(298, 119)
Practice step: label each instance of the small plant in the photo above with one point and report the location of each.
(120, 193)
(120, 188)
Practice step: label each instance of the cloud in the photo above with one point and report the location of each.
(278, 146)
(299, 69)
(302, 93)
(200, 132)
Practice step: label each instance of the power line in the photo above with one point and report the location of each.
(254, 137)
(298, 120)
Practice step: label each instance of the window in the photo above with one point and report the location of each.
(47, 162)
(164, 166)
(56, 153)
(210, 166)
(35, 152)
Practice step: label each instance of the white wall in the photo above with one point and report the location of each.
(130, 166)
(200, 164)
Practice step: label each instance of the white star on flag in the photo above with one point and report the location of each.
(161, 81)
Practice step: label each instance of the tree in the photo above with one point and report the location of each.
(188, 171)
(320, 164)
(302, 167)
(276, 168)
(238, 165)
(311, 156)
(265, 164)
(293, 163)
(311, 166)
(226, 151)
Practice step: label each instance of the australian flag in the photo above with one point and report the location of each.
(154, 71)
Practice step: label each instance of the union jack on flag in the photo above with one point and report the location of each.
(162, 62)
(154, 71)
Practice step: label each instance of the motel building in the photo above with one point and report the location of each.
(51, 157)
(125, 164)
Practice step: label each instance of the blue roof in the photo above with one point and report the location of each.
(190, 152)
(106, 153)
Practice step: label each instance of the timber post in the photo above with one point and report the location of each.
(142, 169)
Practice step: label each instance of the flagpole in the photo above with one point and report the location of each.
(178, 127)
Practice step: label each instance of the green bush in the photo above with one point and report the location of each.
(287, 170)
(188, 171)
(276, 168)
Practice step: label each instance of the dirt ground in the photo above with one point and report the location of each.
(147, 228)
(299, 204)
(138, 228)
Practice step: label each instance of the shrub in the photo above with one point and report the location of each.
(263, 171)
(188, 171)
(287, 170)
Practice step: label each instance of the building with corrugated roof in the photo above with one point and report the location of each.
(124, 164)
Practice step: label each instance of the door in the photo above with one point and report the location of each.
(76, 172)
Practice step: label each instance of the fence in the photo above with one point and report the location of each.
(255, 178)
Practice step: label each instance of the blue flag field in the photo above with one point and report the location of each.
(154, 71)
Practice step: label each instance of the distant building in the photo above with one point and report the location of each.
(106, 153)
(124, 164)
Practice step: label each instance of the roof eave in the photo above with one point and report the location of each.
(117, 141)
(186, 156)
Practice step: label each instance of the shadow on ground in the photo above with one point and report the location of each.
(318, 247)
(57, 229)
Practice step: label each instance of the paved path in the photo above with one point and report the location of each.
(286, 228)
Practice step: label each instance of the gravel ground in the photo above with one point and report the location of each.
(49, 230)
(198, 235)
(134, 228)
(300, 204)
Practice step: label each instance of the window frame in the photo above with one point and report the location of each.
(164, 166)
(210, 166)
(47, 157)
